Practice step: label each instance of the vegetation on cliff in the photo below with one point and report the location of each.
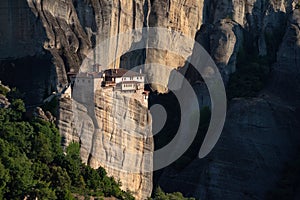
(161, 195)
(250, 77)
(33, 164)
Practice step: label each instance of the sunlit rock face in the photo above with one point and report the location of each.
(70, 26)
(114, 133)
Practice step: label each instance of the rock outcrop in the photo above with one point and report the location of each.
(46, 116)
(223, 40)
(115, 133)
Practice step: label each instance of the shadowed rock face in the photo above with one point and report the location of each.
(286, 71)
(21, 34)
(23, 62)
(248, 159)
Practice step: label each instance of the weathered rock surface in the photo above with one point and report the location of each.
(255, 26)
(256, 142)
(70, 26)
(223, 41)
(114, 133)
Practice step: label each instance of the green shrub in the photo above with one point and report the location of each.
(161, 195)
(250, 77)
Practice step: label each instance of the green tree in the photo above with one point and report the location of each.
(42, 148)
(19, 167)
(73, 163)
(42, 190)
(161, 195)
(92, 178)
(18, 133)
(61, 181)
(4, 178)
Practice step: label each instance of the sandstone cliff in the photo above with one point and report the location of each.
(114, 133)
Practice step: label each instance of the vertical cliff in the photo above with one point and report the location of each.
(115, 133)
